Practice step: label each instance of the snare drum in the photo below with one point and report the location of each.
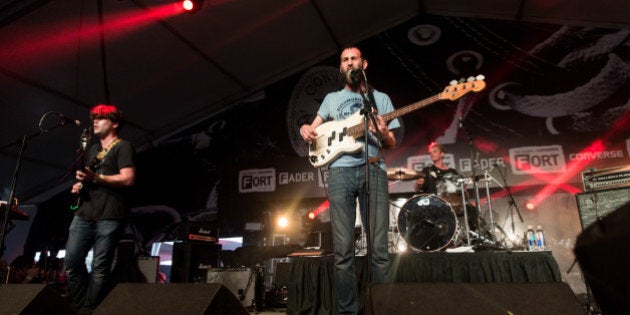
(428, 223)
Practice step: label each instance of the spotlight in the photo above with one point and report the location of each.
(282, 222)
(312, 215)
(192, 6)
(530, 206)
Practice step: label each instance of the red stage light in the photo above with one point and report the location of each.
(311, 215)
(192, 5)
(530, 206)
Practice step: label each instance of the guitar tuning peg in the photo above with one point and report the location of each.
(480, 77)
(470, 79)
(453, 82)
(461, 80)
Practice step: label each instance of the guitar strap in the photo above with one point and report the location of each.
(103, 153)
(374, 109)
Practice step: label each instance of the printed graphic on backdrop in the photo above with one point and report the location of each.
(307, 95)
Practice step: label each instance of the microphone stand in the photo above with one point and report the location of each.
(23, 141)
(512, 204)
(368, 116)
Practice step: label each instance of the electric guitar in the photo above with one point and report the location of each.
(335, 138)
(85, 140)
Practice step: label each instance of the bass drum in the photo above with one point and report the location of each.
(428, 223)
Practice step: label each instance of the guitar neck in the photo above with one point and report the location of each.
(357, 130)
(410, 108)
(451, 92)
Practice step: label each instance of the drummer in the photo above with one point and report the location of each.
(437, 176)
(441, 180)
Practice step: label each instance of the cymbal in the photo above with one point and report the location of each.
(401, 173)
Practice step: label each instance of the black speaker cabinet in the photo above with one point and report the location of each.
(597, 204)
(240, 281)
(604, 255)
(174, 298)
(472, 298)
(32, 299)
(147, 268)
(192, 259)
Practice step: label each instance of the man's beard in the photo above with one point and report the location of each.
(353, 82)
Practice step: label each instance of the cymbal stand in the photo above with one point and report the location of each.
(488, 178)
(474, 159)
(462, 186)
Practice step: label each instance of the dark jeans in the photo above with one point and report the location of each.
(85, 290)
(345, 185)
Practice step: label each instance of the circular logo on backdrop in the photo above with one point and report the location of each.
(305, 100)
(424, 35)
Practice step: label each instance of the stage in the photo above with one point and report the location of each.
(311, 287)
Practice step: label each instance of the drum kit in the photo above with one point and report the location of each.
(435, 222)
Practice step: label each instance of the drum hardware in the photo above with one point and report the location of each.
(402, 174)
(462, 187)
(487, 179)
(511, 203)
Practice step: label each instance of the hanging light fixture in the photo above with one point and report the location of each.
(191, 6)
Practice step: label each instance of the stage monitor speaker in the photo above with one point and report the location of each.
(32, 299)
(604, 256)
(240, 281)
(597, 204)
(147, 266)
(192, 259)
(472, 298)
(174, 298)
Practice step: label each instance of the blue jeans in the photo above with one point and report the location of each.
(85, 290)
(345, 185)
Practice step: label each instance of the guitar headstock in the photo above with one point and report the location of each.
(458, 89)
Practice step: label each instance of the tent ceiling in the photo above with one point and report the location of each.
(172, 70)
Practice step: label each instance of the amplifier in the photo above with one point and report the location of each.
(613, 177)
(198, 231)
(240, 281)
(148, 266)
(597, 204)
(191, 260)
(276, 272)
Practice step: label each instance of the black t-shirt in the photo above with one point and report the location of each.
(435, 177)
(103, 202)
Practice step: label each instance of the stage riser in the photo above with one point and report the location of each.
(472, 298)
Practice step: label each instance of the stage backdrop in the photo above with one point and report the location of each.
(555, 103)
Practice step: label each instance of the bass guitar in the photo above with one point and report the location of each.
(335, 138)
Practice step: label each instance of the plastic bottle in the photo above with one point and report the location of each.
(531, 238)
(540, 238)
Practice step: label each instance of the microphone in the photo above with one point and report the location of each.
(461, 122)
(68, 119)
(356, 74)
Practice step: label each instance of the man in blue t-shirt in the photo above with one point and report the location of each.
(346, 181)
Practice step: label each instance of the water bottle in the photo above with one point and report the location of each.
(531, 238)
(540, 238)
